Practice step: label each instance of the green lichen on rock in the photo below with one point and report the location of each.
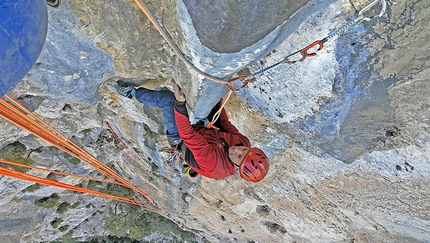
(86, 131)
(112, 239)
(93, 184)
(48, 202)
(16, 152)
(56, 222)
(33, 187)
(63, 207)
(63, 228)
(68, 238)
(71, 159)
(54, 149)
(119, 191)
(75, 205)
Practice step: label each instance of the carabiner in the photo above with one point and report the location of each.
(371, 5)
(243, 78)
(304, 51)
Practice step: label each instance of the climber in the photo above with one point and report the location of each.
(213, 153)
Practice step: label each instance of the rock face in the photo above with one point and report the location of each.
(346, 131)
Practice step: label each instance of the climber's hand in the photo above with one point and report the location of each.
(179, 94)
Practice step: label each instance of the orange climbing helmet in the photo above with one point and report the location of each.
(254, 166)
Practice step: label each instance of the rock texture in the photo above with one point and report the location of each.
(347, 131)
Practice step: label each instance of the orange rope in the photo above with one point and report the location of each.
(22, 120)
(216, 115)
(50, 134)
(28, 177)
(22, 117)
(37, 118)
(55, 171)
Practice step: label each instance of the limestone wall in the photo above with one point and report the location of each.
(347, 131)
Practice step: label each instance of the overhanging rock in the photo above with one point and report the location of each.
(223, 38)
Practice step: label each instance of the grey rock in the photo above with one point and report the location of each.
(346, 131)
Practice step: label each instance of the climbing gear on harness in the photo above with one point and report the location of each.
(254, 166)
(175, 154)
(189, 172)
(175, 151)
(125, 90)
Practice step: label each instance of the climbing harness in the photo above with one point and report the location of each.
(17, 114)
(245, 78)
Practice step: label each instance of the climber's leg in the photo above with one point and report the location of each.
(162, 99)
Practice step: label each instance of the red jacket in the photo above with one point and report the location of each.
(207, 145)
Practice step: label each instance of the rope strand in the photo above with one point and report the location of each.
(22, 117)
(27, 177)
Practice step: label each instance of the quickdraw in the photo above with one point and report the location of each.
(305, 51)
(338, 32)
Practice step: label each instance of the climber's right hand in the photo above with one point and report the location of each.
(179, 94)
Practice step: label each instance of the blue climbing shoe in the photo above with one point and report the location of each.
(125, 89)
